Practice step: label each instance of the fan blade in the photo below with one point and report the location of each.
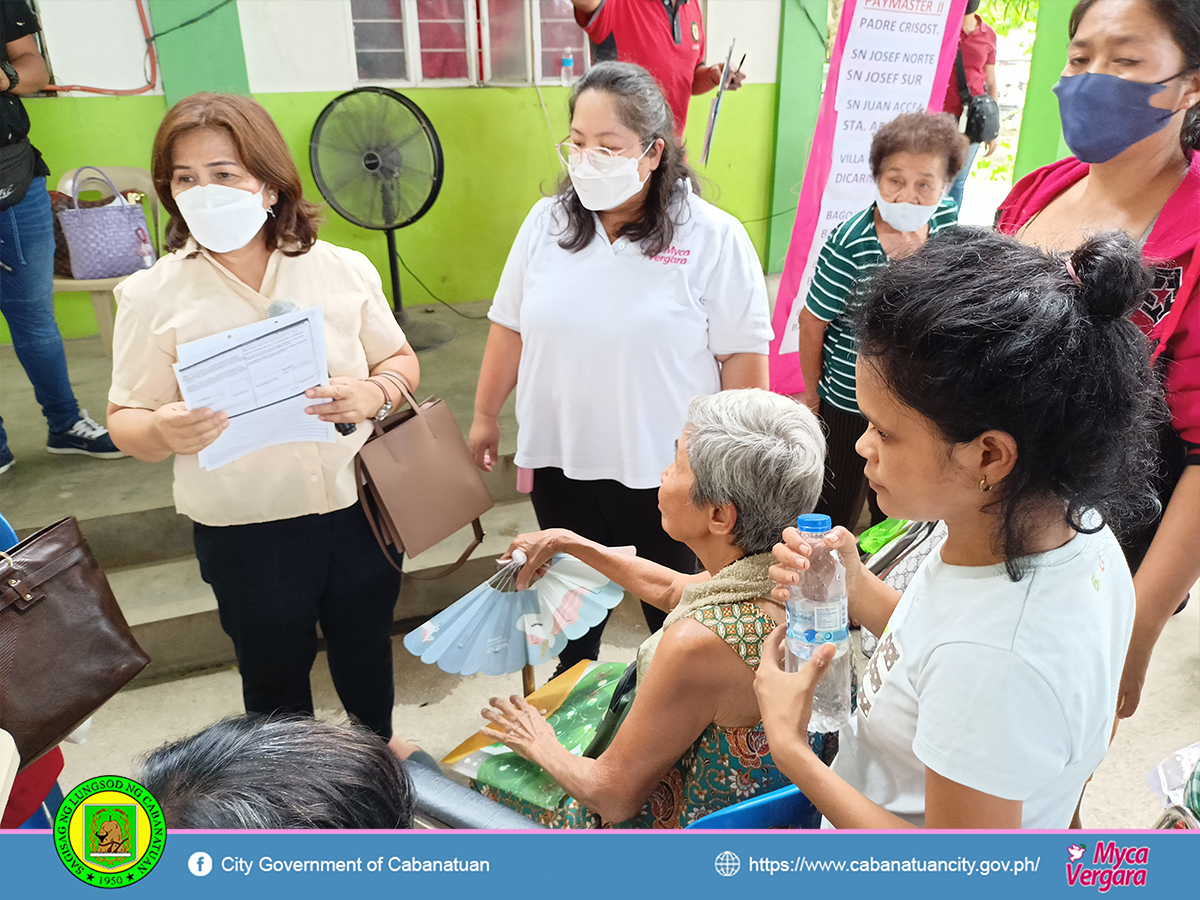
(466, 654)
(578, 596)
(431, 640)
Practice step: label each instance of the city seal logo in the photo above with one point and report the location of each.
(110, 832)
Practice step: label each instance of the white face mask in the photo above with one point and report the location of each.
(903, 216)
(598, 190)
(221, 218)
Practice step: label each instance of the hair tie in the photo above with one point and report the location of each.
(1071, 270)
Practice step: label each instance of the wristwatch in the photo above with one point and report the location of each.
(386, 409)
(14, 77)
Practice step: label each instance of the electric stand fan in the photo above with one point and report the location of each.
(377, 161)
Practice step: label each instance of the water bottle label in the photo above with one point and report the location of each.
(828, 617)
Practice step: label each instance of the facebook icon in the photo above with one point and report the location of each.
(200, 864)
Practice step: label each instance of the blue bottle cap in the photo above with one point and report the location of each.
(814, 523)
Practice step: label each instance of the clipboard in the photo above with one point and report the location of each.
(715, 109)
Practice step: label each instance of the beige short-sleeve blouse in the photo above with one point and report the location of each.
(189, 295)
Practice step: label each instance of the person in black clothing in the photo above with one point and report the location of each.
(27, 249)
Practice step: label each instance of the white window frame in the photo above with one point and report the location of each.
(484, 15)
(535, 30)
(408, 64)
(472, 10)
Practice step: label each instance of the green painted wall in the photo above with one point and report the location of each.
(1041, 140)
(802, 31)
(499, 160)
(206, 55)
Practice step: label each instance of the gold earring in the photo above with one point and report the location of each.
(983, 485)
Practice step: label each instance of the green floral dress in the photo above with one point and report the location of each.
(723, 766)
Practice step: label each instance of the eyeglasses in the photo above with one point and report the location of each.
(601, 158)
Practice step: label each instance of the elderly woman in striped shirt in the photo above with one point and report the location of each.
(913, 160)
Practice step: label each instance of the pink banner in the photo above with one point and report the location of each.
(873, 31)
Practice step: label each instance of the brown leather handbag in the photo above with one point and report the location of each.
(65, 647)
(418, 483)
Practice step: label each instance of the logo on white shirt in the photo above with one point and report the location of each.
(672, 256)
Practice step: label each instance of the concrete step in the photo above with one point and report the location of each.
(174, 617)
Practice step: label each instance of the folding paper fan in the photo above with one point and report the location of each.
(496, 629)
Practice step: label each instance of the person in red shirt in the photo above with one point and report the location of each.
(1129, 100)
(977, 43)
(664, 37)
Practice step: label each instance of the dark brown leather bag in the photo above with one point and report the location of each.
(418, 483)
(65, 647)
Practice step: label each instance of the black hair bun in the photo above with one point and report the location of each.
(1114, 279)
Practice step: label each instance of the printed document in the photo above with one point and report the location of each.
(257, 375)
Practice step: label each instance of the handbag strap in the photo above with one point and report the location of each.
(401, 384)
(21, 590)
(964, 92)
(458, 563)
(77, 181)
(369, 511)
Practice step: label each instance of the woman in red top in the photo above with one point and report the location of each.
(1130, 105)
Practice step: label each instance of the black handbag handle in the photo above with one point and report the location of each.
(964, 92)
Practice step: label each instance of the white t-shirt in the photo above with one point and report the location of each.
(615, 344)
(1006, 687)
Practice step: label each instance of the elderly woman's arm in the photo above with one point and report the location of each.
(744, 370)
(657, 585)
(680, 696)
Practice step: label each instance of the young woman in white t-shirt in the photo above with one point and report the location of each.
(1008, 395)
(624, 296)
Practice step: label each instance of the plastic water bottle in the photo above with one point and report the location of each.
(568, 69)
(817, 613)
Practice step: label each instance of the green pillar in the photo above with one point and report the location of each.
(204, 56)
(1041, 139)
(802, 31)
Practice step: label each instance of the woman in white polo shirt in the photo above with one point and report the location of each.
(624, 296)
(279, 533)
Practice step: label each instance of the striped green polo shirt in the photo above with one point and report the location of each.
(850, 254)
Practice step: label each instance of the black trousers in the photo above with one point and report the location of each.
(846, 487)
(612, 514)
(274, 582)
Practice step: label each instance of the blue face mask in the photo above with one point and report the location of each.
(1103, 115)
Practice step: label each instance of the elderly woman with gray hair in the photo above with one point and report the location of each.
(748, 462)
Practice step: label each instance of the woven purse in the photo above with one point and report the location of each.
(104, 241)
